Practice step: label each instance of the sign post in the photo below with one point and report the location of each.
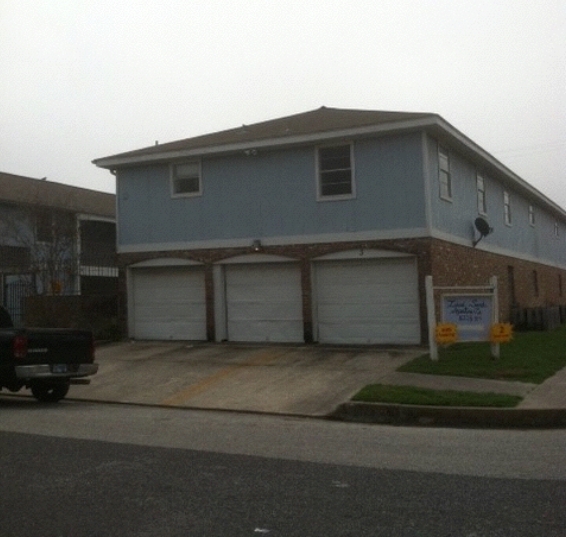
(495, 349)
(431, 318)
(467, 314)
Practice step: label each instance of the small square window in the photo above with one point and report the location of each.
(480, 183)
(335, 172)
(444, 177)
(185, 179)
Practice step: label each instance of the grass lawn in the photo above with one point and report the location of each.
(407, 395)
(529, 357)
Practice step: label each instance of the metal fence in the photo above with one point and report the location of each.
(14, 301)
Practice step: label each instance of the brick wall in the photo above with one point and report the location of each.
(302, 253)
(96, 313)
(523, 284)
(450, 264)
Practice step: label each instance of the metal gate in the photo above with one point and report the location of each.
(14, 301)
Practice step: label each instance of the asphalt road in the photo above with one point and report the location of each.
(78, 469)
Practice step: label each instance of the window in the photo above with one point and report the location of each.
(535, 283)
(185, 179)
(531, 215)
(444, 177)
(335, 172)
(44, 227)
(556, 230)
(507, 208)
(480, 183)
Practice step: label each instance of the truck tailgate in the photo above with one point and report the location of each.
(56, 345)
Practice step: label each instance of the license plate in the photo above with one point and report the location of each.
(59, 368)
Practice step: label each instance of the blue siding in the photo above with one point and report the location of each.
(456, 217)
(273, 194)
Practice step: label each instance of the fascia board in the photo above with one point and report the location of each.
(95, 217)
(511, 176)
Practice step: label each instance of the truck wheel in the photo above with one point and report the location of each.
(49, 393)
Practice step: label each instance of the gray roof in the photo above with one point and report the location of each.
(325, 125)
(17, 189)
(319, 123)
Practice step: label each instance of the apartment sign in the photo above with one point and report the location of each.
(471, 313)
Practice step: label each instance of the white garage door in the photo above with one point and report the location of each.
(374, 301)
(263, 302)
(169, 303)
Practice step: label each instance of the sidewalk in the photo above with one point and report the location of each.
(543, 405)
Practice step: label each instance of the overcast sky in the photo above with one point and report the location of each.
(84, 79)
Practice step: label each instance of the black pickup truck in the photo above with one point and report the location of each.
(46, 360)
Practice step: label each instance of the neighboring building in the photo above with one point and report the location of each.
(55, 239)
(322, 226)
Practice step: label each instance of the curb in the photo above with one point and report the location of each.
(437, 416)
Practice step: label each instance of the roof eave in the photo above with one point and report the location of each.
(491, 162)
(433, 123)
(268, 143)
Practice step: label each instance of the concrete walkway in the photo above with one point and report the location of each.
(550, 394)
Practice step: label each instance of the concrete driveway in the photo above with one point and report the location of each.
(298, 380)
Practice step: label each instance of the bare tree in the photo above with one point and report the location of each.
(50, 237)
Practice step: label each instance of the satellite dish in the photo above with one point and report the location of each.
(483, 228)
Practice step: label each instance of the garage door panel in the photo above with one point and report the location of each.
(276, 330)
(169, 303)
(282, 311)
(357, 334)
(358, 313)
(266, 294)
(370, 301)
(264, 302)
(168, 330)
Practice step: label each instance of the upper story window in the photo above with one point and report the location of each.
(507, 208)
(531, 215)
(556, 230)
(444, 177)
(480, 184)
(44, 227)
(335, 172)
(186, 179)
(54, 227)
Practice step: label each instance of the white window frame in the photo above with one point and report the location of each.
(173, 178)
(532, 218)
(335, 197)
(444, 174)
(480, 189)
(507, 208)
